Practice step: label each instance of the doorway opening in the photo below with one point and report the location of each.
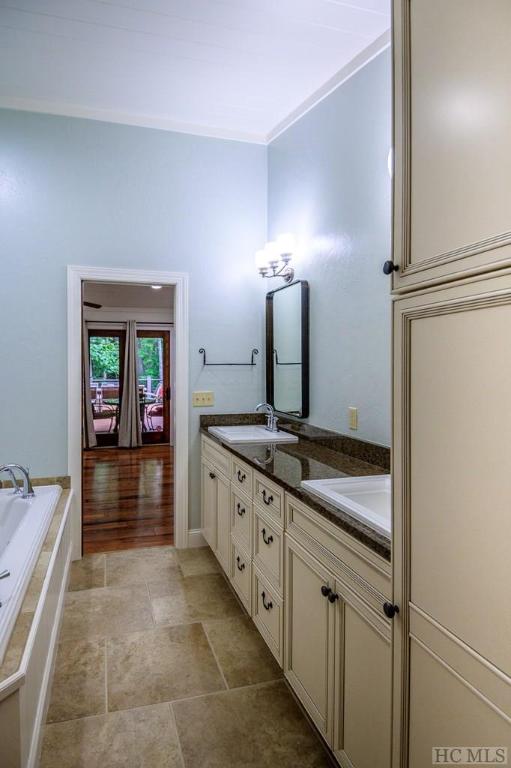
(107, 361)
(128, 367)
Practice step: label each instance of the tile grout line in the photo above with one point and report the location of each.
(214, 655)
(179, 747)
(209, 694)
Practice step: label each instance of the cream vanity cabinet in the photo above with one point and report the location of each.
(216, 501)
(316, 595)
(338, 655)
(452, 151)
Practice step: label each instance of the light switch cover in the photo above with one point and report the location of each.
(201, 399)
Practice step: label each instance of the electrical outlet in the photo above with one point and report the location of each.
(353, 417)
(200, 399)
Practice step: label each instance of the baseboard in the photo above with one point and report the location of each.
(195, 538)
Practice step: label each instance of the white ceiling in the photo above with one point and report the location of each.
(231, 68)
(128, 296)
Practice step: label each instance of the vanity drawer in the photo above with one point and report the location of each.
(216, 456)
(241, 520)
(268, 548)
(268, 614)
(241, 574)
(269, 497)
(357, 565)
(242, 477)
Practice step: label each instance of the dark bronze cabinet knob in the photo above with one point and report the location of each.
(332, 597)
(325, 591)
(212, 475)
(390, 610)
(389, 267)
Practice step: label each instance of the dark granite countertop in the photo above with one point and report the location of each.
(318, 454)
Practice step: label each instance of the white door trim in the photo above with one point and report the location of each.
(75, 276)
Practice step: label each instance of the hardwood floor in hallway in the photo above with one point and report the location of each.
(128, 498)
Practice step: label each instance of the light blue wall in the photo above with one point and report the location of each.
(329, 183)
(84, 192)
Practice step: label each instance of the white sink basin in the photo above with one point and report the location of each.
(366, 498)
(251, 433)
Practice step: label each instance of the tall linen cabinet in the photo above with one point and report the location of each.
(452, 378)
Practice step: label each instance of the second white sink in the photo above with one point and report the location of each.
(251, 433)
(366, 498)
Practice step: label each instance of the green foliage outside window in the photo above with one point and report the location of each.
(149, 351)
(104, 357)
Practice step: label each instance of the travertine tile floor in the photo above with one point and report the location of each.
(158, 666)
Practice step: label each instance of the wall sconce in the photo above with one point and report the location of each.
(273, 260)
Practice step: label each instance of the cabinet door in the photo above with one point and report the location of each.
(223, 518)
(452, 214)
(452, 521)
(309, 634)
(363, 709)
(208, 498)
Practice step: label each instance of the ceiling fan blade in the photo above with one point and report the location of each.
(92, 305)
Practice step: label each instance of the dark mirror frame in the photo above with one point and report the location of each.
(270, 384)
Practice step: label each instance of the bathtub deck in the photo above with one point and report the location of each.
(128, 498)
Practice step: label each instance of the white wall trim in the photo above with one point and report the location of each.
(350, 69)
(75, 276)
(195, 538)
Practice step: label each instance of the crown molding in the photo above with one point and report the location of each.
(350, 69)
(211, 132)
(124, 118)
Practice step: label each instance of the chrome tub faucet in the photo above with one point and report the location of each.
(28, 491)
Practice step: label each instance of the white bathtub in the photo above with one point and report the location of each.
(23, 527)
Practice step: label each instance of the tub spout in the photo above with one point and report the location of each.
(28, 491)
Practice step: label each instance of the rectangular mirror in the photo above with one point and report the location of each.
(287, 348)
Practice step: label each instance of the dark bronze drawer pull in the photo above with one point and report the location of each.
(240, 566)
(241, 476)
(332, 597)
(212, 475)
(241, 510)
(268, 605)
(266, 540)
(325, 591)
(267, 499)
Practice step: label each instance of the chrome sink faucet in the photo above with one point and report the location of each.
(28, 491)
(271, 419)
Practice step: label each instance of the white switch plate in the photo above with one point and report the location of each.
(200, 399)
(353, 417)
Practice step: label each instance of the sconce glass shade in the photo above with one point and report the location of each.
(273, 260)
(261, 260)
(286, 246)
(272, 253)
